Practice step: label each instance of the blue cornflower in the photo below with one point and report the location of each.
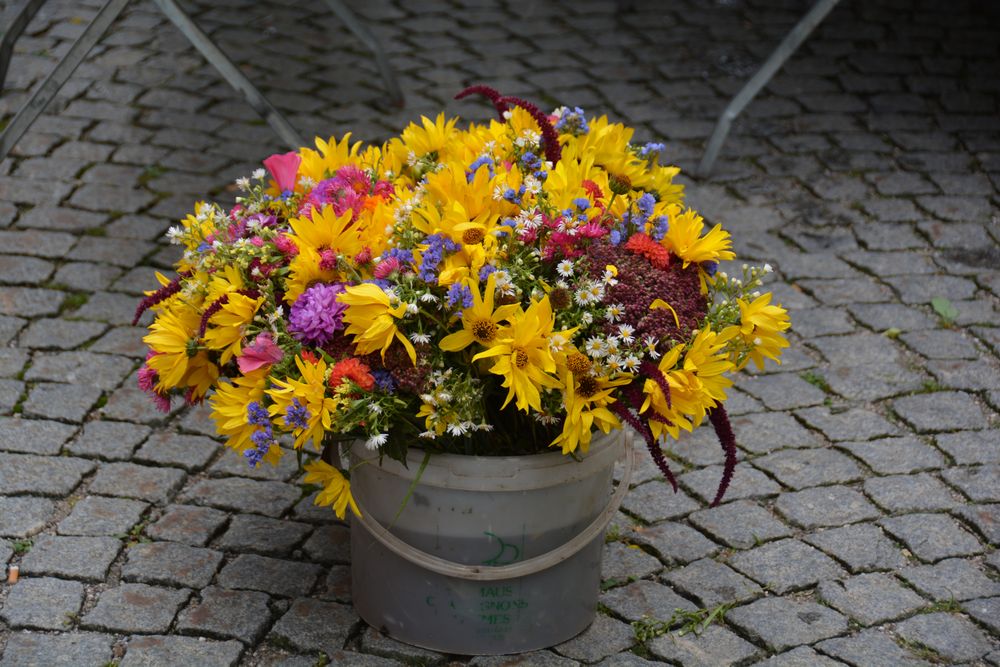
(459, 293)
(710, 267)
(297, 415)
(485, 272)
(476, 164)
(437, 244)
(541, 175)
(262, 438)
(257, 415)
(204, 247)
(581, 203)
(573, 122)
(530, 160)
(253, 457)
(384, 381)
(652, 147)
(615, 237)
(404, 256)
(511, 195)
(646, 203)
(661, 225)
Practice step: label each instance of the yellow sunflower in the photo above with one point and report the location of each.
(336, 489)
(311, 393)
(480, 323)
(371, 320)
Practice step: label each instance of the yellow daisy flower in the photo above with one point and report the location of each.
(336, 489)
(371, 320)
(311, 392)
(229, 412)
(480, 323)
(760, 326)
(228, 325)
(586, 399)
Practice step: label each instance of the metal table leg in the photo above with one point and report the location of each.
(788, 46)
(231, 73)
(16, 21)
(362, 32)
(62, 71)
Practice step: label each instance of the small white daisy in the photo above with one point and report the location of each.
(420, 338)
(627, 332)
(376, 441)
(565, 268)
(259, 174)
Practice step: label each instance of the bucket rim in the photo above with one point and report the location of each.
(498, 473)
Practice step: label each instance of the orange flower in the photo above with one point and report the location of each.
(640, 244)
(352, 369)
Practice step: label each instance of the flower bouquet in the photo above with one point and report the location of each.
(504, 290)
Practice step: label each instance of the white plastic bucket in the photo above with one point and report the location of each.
(490, 555)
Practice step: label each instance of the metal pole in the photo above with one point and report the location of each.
(788, 46)
(231, 73)
(62, 71)
(16, 21)
(362, 32)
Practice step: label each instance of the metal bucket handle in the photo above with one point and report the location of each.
(515, 570)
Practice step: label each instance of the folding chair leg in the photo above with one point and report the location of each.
(17, 20)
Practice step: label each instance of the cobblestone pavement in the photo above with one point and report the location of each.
(863, 521)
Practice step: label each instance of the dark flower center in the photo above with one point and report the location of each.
(484, 331)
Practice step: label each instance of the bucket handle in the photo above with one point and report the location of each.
(515, 570)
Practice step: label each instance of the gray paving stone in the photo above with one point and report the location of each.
(851, 424)
(821, 322)
(187, 524)
(965, 375)
(984, 518)
(782, 391)
(129, 480)
(33, 436)
(546, 659)
(932, 537)
(329, 544)
(875, 381)
(42, 603)
(840, 292)
(108, 440)
(951, 579)
(171, 564)
(271, 575)
(644, 598)
(314, 625)
(740, 524)
(941, 344)
(24, 516)
(262, 535)
(85, 558)
(782, 623)
(765, 432)
(9, 328)
(825, 506)
(711, 583)
(621, 564)
(338, 584)
(86, 276)
(19, 269)
(675, 542)
(714, 647)
(156, 650)
(124, 341)
(232, 493)
(12, 360)
(862, 547)
(136, 608)
(803, 468)
(43, 475)
(803, 656)
(100, 370)
(872, 648)
(108, 307)
(95, 515)
(190, 452)
(785, 565)
(909, 493)
(858, 349)
(656, 501)
(870, 599)
(30, 301)
(68, 402)
(883, 316)
(953, 637)
(243, 615)
(746, 483)
(60, 334)
(377, 643)
(980, 483)
(70, 649)
(606, 636)
(10, 394)
(941, 411)
(986, 611)
(888, 456)
(967, 447)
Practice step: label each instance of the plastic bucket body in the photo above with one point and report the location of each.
(486, 514)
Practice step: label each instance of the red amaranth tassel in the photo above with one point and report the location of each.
(642, 428)
(552, 149)
(212, 309)
(492, 94)
(162, 294)
(723, 429)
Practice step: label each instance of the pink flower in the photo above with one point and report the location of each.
(284, 167)
(386, 267)
(262, 352)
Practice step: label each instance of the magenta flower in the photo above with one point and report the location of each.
(317, 314)
(262, 352)
(284, 167)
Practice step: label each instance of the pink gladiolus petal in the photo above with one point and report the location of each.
(284, 167)
(262, 352)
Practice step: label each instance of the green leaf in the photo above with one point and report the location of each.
(944, 308)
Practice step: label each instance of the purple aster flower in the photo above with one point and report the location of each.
(297, 415)
(316, 315)
(257, 415)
